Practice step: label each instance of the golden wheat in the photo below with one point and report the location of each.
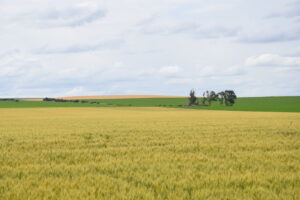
(148, 153)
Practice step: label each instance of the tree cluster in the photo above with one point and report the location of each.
(72, 101)
(60, 100)
(228, 97)
(16, 100)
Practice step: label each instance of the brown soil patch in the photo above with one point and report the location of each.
(119, 97)
(32, 99)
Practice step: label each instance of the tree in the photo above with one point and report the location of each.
(209, 97)
(229, 97)
(192, 98)
(221, 96)
(212, 96)
(204, 99)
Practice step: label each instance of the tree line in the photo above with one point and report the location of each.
(69, 101)
(9, 99)
(226, 97)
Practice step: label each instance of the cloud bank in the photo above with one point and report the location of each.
(72, 47)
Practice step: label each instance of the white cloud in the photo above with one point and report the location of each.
(76, 91)
(197, 31)
(48, 14)
(180, 81)
(273, 60)
(270, 37)
(78, 48)
(169, 70)
(16, 63)
(290, 10)
(213, 71)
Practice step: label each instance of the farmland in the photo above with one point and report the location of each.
(269, 104)
(148, 153)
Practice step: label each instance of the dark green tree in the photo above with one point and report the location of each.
(192, 98)
(230, 97)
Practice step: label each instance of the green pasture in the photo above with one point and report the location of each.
(270, 104)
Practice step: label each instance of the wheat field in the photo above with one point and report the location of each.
(148, 153)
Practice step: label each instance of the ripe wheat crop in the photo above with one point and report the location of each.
(148, 153)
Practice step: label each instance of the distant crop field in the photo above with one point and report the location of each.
(269, 104)
(148, 153)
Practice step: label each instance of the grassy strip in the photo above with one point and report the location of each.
(270, 104)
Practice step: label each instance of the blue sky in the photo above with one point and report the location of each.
(69, 47)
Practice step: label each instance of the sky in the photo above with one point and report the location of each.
(60, 48)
